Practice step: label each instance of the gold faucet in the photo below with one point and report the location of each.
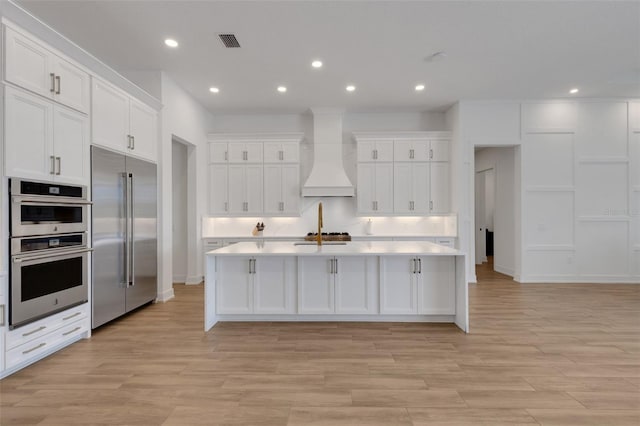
(319, 237)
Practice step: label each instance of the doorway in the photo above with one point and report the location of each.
(497, 177)
(179, 186)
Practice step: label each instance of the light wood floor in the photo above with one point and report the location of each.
(547, 354)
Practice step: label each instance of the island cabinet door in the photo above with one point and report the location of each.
(398, 285)
(315, 285)
(274, 285)
(234, 285)
(356, 282)
(437, 286)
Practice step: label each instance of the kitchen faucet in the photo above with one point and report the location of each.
(319, 237)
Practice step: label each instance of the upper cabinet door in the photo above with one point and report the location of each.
(384, 151)
(281, 152)
(439, 202)
(218, 189)
(217, 152)
(143, 130)
(439, 150)
(28, 135)
(253, 152)
(27, 64)
(110, 116)
(237, 152)
(71, 146)
(71, 85)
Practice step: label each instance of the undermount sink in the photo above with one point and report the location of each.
(324, 243)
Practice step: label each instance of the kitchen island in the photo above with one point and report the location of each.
(348, 281)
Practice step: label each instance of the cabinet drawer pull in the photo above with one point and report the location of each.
(430, 205)
(419, 265)
(226, 155)
(411, 154)
(71, 331)
(133, 142)
(71, 316)
(53, 82)
(431, 154)
(53, 164)
(281, 155)
(335, 269)
(42, 327)
(58, 81)
(34, 348)
(59, 161)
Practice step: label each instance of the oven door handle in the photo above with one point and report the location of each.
(24, 258)
(50, 200)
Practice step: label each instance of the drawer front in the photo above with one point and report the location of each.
(448, 242)
(41, 344)
(39, 328)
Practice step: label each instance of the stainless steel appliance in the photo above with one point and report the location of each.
(124, 222)
(49, 265)
(39, 208)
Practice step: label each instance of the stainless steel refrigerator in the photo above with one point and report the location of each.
(124, 230)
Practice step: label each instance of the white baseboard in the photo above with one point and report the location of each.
(179, 279)
(165, 295)
(504, 270)
(194, 279)
(582, 279)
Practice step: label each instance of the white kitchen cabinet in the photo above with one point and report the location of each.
(436, 287)
(316, 285)
(439, 150)
(218, 152)
(247, 285)
(281, 152)
(122, 123)
(411, 150)
(356, 283)
(234, 286)
(218, 189)
(411, 183)
(244, 152)
(375, 150)
(274, 280)
(439, 188)
(245, 189)
(398, 285)
(43, 140)
(281, 189)
(375, 188)
(343, 285)
(32, 66)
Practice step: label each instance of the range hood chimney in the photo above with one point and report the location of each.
(327, 178)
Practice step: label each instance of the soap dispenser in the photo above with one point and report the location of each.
(369, 227)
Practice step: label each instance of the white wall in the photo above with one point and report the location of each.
(185, 119)
(502, 162)
(578, 188)
(180, 219)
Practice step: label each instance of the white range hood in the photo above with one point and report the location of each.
(327, 178)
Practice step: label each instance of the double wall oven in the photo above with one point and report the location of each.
(49, 251)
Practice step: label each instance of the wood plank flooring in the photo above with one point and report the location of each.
(550, 354)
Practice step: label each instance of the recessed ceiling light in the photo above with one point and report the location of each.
(214, 89)
(282, 89)
(350, 88)
(316, 64)
(572, 91)
(419, 87)
(171, 42)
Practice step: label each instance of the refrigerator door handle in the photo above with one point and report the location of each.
(126, 230)
(132, 248)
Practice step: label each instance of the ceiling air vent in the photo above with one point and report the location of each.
(229, 40)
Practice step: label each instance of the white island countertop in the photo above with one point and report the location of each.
(351, 248)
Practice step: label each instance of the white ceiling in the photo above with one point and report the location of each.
(495, 50)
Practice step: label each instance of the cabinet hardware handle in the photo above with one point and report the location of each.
(411, 153)
(413, 266)
(133, 142)
(53, 164)
(226, 155)
(226, 206)
(249, 266)
(53, 83)
(419, 265)
(281, 206)
(34, 348)
(42, 327)
(59, 160)
(71, 331)
(331, 266)
(254, 266)
(129, 141)
(245, 155)
(58, 81)
(2, 315)
(281, 155)
(431, 154)
(71, 316)
(336, 268)
(430, 205)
